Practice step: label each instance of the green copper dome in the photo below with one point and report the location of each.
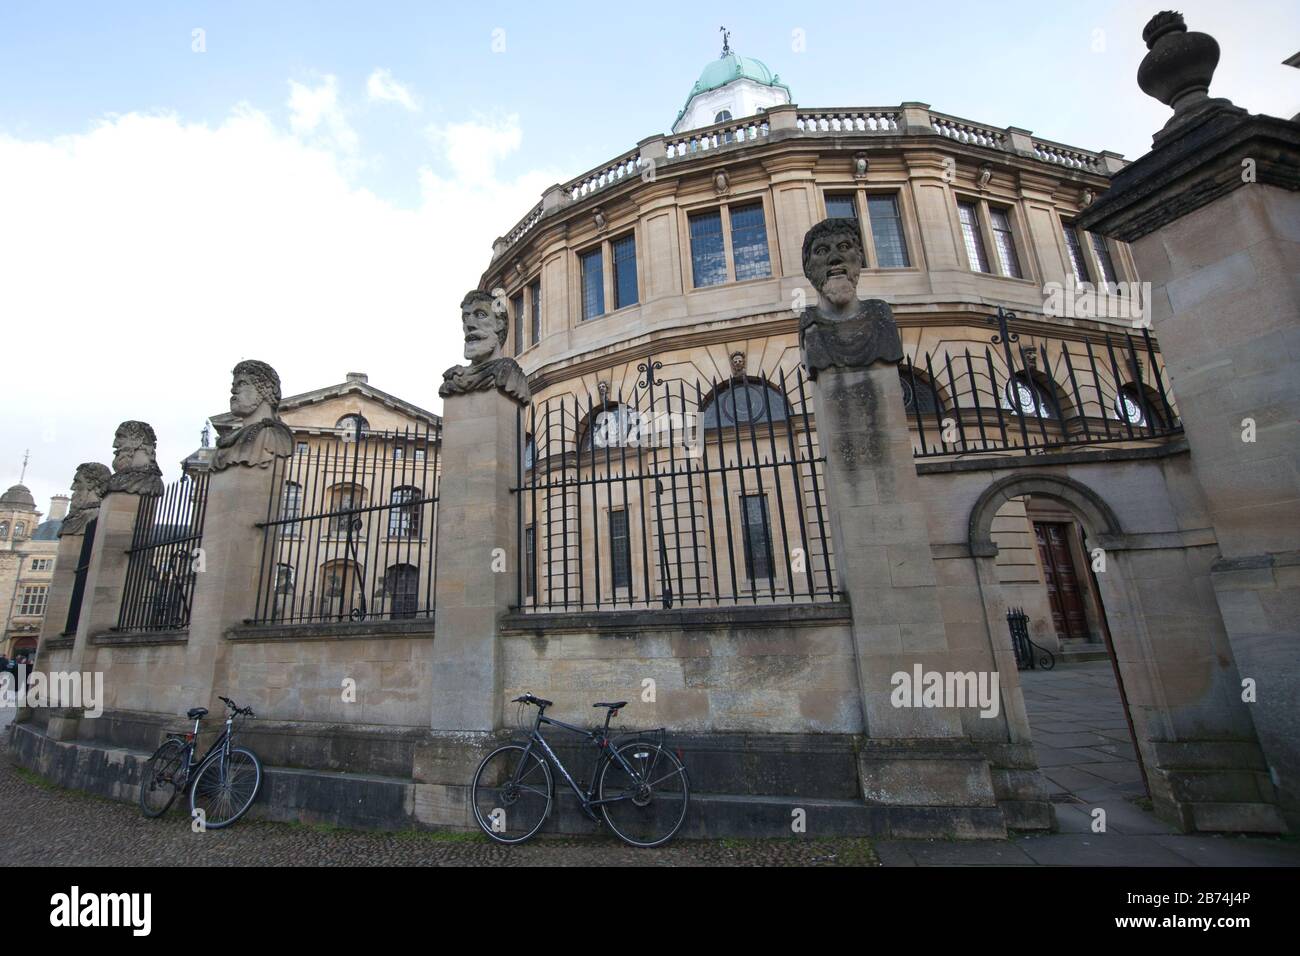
(728, 68)
(723, 70)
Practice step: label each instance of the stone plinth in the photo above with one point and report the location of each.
(476, 582)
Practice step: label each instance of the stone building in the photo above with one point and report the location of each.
(28, 549)
(802, 403)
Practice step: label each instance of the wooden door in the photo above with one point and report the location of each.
(1063, 591)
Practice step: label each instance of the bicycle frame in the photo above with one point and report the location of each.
(189, 765)
(599, 738)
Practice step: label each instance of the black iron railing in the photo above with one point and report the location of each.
(164, 558)
(349, 529)
(676, 493)
(1029, 655)
(1033, 398)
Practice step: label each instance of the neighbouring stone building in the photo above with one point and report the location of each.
(28, 547)
(800, 401)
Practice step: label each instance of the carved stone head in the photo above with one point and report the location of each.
(134, 446)
(89, 485)
(255, 386)
(485, 326)
(833, 258)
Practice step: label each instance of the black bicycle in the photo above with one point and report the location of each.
(639, 787)
(222, 784)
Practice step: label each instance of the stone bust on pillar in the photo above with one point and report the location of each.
(842, 331)
(261, 437)
(485, 324)
(88, 487)
(135, 460)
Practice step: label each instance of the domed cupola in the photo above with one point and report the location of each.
(732, 86)
(17, 498)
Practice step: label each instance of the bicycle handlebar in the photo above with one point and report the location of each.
(236, 709)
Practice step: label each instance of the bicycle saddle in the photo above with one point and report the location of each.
(616, 705)
(197, 713)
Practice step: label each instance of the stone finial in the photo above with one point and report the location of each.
(135, 460)
(261, 437)
(486, 325)
(842, 330)
(1178, 66)
(88, 486)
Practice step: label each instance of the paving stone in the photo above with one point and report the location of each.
(1098, 849)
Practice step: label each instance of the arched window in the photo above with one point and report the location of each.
(20, 529)
(752, 401)
(722, 116)
(1138, 406)
(530, 452)
(352, 423)
(918, 394)
(345, 500)
(404, 515)
(614, 426)
(1028, 396)
(4, 529)
(402, 590)
(339, 588)
(285, 579)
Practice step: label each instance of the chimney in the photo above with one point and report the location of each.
(58, 507)
(359, 377)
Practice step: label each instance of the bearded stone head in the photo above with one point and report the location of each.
(134, 446)
(485, 325)
(833, 258)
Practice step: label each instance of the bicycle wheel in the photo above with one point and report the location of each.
(224, 790)
(512, 794)
(158, 782)
(648, 806)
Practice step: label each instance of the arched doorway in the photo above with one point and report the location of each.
(1037, 534)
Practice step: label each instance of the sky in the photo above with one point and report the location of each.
(316, 184)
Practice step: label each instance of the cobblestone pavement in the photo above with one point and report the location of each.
(1079, 734)
(44, 825)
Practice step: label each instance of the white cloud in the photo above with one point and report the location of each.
(383, 88)
(146, 256)
(315, 114)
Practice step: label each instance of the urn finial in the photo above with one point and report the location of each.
(1178, 66)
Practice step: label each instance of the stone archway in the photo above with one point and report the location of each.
(1169, 652)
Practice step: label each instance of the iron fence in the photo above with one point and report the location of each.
(1033, 398)
(681, 493)
(163, 559)
(349, 533)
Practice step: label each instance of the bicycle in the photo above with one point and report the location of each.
(640, 788)
(222, 784)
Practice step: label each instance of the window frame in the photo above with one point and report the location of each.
(24, 600)
(615, 585)
(747, 545)
(862, 196)
(596, 253)
(723, 210)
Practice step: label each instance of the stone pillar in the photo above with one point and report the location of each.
(102, 598)
(225, 590)
(1210, 214)
(61, 585)
(914, 757)
(478, 527)
(476, 515)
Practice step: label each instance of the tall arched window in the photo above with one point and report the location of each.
(404, 515)
(530, 452)
(751, 401)
(20, 529)
(345, 500)
(4, 529)
(339, 589)
(402, 590)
